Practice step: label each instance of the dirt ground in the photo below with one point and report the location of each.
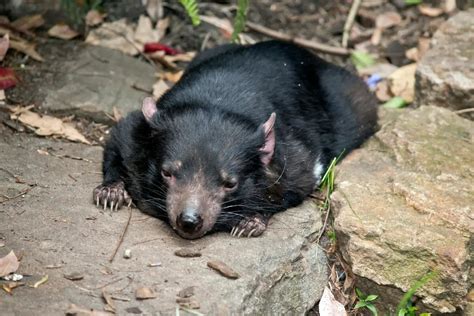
(53, 173)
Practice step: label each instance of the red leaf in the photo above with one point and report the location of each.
(153, 47)
(8, 78)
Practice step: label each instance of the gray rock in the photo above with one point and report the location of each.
(95, 80)
(445, 75)
(405, 207)
(56, 224)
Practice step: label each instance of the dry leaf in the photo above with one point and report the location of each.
(387, 19)
(154, 9)
(75, 310)
(117, 35)
(159, 56)
(188, 302)
(382, 91)
(402, 82)
(430, 11)
(144, 293)
(329, 306)
(222, 24)
(117, 114)
(376, 36)
(144, 32)
(223, 269)
(47, 125)
(412, 54)
(186, 57)
(94, 17)
(172, 76)
(4, 45)
(28, 22)
(161, 26)
(8, 264)
(110, 307)
(159, 88)
(187, 253)
(26, 48)
(62, 31)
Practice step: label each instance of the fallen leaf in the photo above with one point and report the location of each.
(8, 287)
(144, 293)
(117, 35)
(159, 88)
(161, 26)
(74, 276)
(75, 310)
(222, 24)
(117, 114)
(94, 17)
(387, 20)
(26, 48)
(154, 9)
(223, 269)
(186, 57)
(159, 56)
(4, 45)
(329, 306)
(28, 22)
(382, 91)
(8, 78)
(395, 103)
(430, 11)
(144, 32)
(186, 292)
(41, 282)
(187, 253)
(173, 76)
(155, 46)
(402, 82)
(47, 125)
(9, 264)
(110, 307)
(376, 37)
(62, 31)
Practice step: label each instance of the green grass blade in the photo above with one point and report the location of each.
(240, 19)
(408, 295)
(192, 10)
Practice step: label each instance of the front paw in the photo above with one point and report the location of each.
(252, 226)
(112, 195)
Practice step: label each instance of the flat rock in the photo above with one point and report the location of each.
(86, 80)
(445, 75)
(58, 231)
(405, 207)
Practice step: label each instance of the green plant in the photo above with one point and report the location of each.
(405, 307)
(191, 7)
(240, 18)
(192, 10)
(413, 2)
(366, 301)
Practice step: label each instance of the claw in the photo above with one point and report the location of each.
(105, 203)
(241, 232)
(112, 205)
(251, 233)
(129, 203)
(116, 207)
(97, 199)
(232, 231)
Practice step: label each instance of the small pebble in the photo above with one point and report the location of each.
(74, 276)
(127, 254)
(187, 292)
(155, 264)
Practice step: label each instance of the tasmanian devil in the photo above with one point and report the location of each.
(246, 132)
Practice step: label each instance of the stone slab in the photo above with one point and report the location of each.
(405, 207)
(282, 272)
(445, 75)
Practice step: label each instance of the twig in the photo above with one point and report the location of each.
(299, 41)
(350, 22)
(464, 111)
(8, 198)
(121, 236)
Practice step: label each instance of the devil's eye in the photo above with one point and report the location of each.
(166, 174)
(230, 184)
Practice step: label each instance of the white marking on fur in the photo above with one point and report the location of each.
(318, 171)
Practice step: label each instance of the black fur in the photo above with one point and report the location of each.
(211, 121)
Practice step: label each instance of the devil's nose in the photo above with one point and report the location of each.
(189, 222)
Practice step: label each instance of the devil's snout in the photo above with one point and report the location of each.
(189, 221)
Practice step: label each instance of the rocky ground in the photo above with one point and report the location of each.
(402, 205)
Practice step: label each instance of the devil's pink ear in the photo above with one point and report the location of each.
(268, 148)
(148, 108)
